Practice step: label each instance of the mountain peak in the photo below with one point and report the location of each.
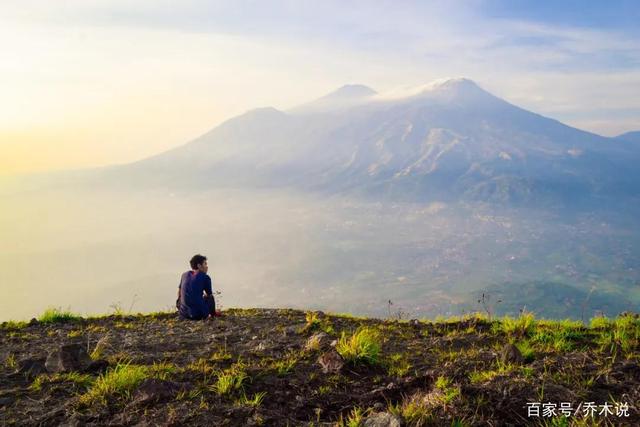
(454, 83)
(350, 91)
(343, 97)
(445, 87)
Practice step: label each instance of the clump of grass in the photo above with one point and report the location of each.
(488, 375)
(254, 401)
(14, 325)
(81, 380)
(620, 335)
(600, 322)
(324, 389)
(521, 326)
(230, 380)
(285, 365)
(58, 315)
(313, 344)
(313, 320)
(449, 391)
(398, 365)
(364, 346)
(316, 323)
(221, 355)
(100, 347)
(355, 418)
(11, 362)
(527, 350)
(162, 370)
(415, 411)
(118, 382)
(75, 333)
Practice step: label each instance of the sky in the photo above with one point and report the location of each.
(86, 83)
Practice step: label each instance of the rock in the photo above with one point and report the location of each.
(511, 354)
(32, 367)
(33, 322)
(155, 390)
(97, 366)
(331, 362)
(69, 357)
(294, 329)
(415, 323)
(319, 340)
(6, 400)
(381, 419)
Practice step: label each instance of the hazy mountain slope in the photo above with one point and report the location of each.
(449, 140)
(630, 136)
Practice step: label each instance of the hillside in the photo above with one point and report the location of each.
(286, 367)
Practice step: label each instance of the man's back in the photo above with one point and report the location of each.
(192, 285)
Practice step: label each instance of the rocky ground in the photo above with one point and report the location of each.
(286, 367)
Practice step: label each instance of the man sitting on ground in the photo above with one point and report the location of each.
(195, 297)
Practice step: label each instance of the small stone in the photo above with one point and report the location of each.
(6, 400)
(97, 366)
(33, 321)
(331, 362)
(32, 367)
(69, 357)
(294, 329)
(511, 354)
(381, 419)
(154, 390)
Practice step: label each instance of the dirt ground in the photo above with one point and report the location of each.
(452, 371)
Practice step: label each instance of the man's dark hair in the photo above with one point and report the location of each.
(197, 259)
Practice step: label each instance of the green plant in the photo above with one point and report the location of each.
(118, 382)
(364, 346)
(521, 326)
(14, 325)
(162, 370)
(398, 365)
(448, 390)
(285, 365)
(254, 401)
(229, 380)
(81, 380)
(10, 362)
(527, 351)
(57, 315)
(415, 411)
(354, 418)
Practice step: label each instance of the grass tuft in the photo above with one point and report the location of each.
(58, 315)
(363, 347)
(118, 382)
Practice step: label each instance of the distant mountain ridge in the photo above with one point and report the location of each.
(449, 139)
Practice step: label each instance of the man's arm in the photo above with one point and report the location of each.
(207, 286)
